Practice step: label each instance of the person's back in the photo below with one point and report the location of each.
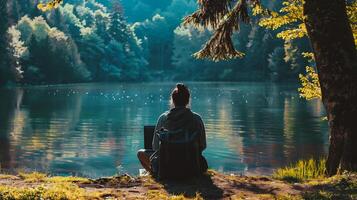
(178, 142)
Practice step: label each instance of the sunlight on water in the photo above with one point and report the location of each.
(95, 129)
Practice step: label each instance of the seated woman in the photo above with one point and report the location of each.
(179, 117)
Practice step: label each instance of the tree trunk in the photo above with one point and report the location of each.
(335, 54)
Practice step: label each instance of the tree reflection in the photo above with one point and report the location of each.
(9, 109)
(92, 129)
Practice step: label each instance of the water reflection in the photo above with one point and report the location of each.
(95, 129)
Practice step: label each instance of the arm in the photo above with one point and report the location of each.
(155, 140)
(202, 131)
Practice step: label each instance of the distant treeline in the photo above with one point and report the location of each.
(74, 43)
(89, 40)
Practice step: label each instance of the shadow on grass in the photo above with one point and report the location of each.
(252, 186)
(214, 186)
(291, 179)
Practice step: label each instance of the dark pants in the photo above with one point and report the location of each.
(145, 154)
(144, 158)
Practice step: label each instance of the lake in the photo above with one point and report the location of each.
(96, 129)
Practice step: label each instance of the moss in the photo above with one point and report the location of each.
(39, 186)
(149, 181)
(52, 188)
(237, 196)
(56, 191)
(156, 194)
(40, 177)
(342, 186)
(279, 197)
(161, 195)
(51, 192)
(72, 179)
(123, 180)
(33, 177)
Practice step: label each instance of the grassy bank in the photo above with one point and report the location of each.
(304, 180)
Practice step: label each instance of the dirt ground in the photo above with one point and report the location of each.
(214, 185)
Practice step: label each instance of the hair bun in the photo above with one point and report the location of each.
(180, 86)
(180, 95)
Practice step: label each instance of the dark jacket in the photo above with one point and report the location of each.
(181, 118)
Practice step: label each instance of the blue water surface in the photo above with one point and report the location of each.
(95, 129)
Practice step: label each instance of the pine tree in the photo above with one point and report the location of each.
(5, 70)
(278, 68)
(118, 28)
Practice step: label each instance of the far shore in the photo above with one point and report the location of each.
(13, 85)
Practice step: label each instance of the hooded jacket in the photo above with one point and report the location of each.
(181, 118)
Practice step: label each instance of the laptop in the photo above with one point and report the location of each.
(148, 136)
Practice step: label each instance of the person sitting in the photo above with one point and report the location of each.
(172, 157)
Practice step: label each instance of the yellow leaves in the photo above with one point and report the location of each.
(42, 7)
(53, 4)
(291, 34)
(259, 10)
(293, 9)
(291, 19)
(310, 85)
(290, 13)
(276, 21)
(309, 56)
(352, 15)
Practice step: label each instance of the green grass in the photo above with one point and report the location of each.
(45, 187)
(35, 185)
(159, 195)
(302, 170)
(58, 191)
(33, 177)
(67, 179)
(311, 172)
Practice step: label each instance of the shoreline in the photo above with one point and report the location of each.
(158, 82)
(213, 185)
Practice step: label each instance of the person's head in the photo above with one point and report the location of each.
(180, 96)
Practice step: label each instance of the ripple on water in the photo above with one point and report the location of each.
(92, 129)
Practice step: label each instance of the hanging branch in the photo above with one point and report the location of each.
(209, 14)
(224, 20)
(220, 46)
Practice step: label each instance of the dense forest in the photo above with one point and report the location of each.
(101, 40)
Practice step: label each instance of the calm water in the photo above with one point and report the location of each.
(95, 129)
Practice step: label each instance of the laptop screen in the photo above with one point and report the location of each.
(148, 136)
